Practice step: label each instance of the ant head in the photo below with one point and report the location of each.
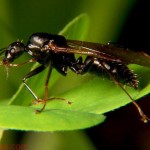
(12, 52)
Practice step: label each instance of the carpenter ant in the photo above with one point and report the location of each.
(54, 51)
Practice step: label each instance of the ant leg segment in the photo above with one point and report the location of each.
(81, 68)
(58, 98)
(46, 92)
(76, 66)
(47, 81)
(86, 66)
(18, 65)
(30, 74)
(144, 118)
(79, 61)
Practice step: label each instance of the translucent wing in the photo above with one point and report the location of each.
(110, 52)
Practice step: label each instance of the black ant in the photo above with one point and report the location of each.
(54, 51)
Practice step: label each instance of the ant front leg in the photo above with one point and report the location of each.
(17, 65)
(7, 65)
(38, 100)
(30, 74)
(34, 72)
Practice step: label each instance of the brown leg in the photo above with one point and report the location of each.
(46, 90)
(144, 118)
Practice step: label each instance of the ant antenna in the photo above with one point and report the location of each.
(2, 50)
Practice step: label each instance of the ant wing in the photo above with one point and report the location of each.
(113, 51)
(78, 47)
(109, 51)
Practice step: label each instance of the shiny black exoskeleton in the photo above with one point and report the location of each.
(41, 47)
(38, 48)
(54, 51)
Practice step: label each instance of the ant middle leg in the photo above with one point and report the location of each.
(85, 66)
(46, 90)
(80, 67)
(46, 98)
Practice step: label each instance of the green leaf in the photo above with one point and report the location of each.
(77, 28)
(19, 117)
(24, 118)
(90, 96)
